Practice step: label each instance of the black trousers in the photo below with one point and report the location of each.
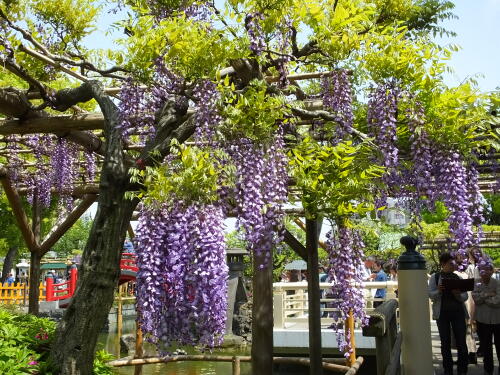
(453, 320)
(486, 333)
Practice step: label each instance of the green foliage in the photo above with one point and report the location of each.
(192, 175)
(493, 216)
(439, 215)
(253, 114)
(189, 48)
(74, 239)
(334, 180)
(70, 20)
(26, 339)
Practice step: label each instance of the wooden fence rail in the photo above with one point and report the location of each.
(17, 293)
(327, 365)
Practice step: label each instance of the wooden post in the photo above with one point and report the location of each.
(73, 279)
(119, 317)
(49, 289)
(138, 348)
(383, 327)
(313, 293)
(236, 366)
(17, 210)
(262, 316)
(349, 332)
(34, 290)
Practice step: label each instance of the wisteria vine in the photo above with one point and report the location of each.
(181, 283)
(345, 253)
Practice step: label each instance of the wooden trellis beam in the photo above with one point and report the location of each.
(18, 211)
(58, 231)
(53, 124)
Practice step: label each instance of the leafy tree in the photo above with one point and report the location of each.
(74, 239)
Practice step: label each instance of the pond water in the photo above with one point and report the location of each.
(111, 343)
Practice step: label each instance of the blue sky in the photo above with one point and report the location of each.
(478, 29)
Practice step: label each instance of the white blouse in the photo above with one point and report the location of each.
(487, 307)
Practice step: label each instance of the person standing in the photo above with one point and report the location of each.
(380, 275)
(486, 296)
(448, 309)
(10, 280)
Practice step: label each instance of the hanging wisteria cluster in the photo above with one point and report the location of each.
(421, 157)
(382, 123)
(261, 191)
(56, 166)
(345, 253)
(181, 283)
(337, 97)
(255, 33)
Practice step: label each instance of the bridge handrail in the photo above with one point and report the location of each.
(292, 308)
(365, 284)
(52, 293)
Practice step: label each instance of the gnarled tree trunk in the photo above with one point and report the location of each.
(77, 333)
(8, 263)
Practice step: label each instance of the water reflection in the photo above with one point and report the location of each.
(111, 343)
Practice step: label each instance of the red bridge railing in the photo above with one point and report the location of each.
(55, 292)
(65, 290)
(128, 262)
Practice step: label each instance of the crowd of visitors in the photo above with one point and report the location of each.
(461, 316)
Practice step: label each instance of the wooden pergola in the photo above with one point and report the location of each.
(87, 130)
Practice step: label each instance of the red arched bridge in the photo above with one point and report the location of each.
(63, 292)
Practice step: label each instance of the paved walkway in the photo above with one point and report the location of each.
(436, 354)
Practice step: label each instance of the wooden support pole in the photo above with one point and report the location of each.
(303, 227)
(138, 348)
(295, 244)
(349, 332)
(119, 313)
(355, 367)
(130, 231)
(313, 294)
(58, 231)
(36, 258)
(236, 366)
(18, 211)
(262, 315)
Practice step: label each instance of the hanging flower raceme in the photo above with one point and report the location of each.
(181, 283)
(64, 163)
(345, 253)
(382, 124)
(255, 33)
(421, 155)
(451, 178)
(207, 116)
(337, 97)
(260, 192)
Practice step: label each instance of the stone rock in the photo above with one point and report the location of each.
(231, 340)
(179, 352)
(127, 344)
(242, 323)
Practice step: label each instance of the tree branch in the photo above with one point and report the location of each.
(325, 115)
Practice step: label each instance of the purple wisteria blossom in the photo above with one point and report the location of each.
(345, 253)
(255, 32)
(181, 283)
(337, 98)
(382, 118)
